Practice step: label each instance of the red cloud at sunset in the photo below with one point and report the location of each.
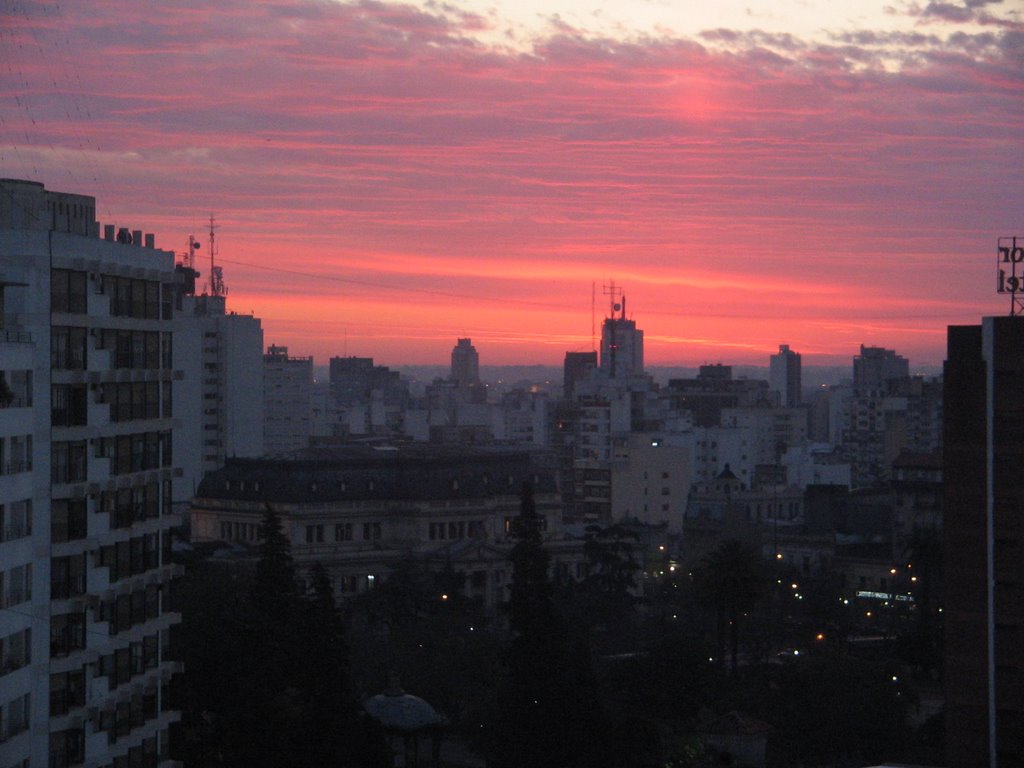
(385, 181)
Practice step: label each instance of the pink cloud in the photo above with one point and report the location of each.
(753, 185)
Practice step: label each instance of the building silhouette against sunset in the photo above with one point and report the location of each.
(784, 376)
(622, 344)
(465, 364)
(984, 549)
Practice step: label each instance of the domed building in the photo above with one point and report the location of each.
(407, 717)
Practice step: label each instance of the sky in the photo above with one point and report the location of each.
(387, 177)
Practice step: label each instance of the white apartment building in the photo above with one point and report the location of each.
(85, 489)
(219, 399)
(650, 480)
(287, 401)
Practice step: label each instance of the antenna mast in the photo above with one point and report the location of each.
(593, 315)
(615, 299)
(217, 287)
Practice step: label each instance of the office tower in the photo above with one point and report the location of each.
(85, 430)
(784, 376)
(287, 393)
(465, 364)
(984, 543)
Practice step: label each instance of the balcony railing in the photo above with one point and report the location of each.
(16, 337)
(15, 530)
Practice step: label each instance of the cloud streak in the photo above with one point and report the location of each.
(767, 181)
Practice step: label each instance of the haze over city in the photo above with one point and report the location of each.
(388, 176)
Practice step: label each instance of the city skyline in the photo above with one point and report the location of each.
(389, 177)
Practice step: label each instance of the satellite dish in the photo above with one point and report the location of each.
(616, 307)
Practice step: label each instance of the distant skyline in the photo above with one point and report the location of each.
(387, 177)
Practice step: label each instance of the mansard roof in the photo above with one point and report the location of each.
(417, 472)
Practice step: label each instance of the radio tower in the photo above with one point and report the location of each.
(217, 287)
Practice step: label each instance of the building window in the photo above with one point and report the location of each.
(68, 462)
(16, 520)
(314, 534)
(67, 576)
(67, 692)
(16, 585)
(67, 520)
(67, 291)
(67, 348)
(14, 716)
(343, 532)
(67, 748)
(15, 651)
(67, 634)
(68, 405)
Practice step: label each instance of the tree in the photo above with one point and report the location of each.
(731, 579)
(266, 669)
(549, 712)
(337, 731)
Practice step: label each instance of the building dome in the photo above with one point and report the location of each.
(397, 710)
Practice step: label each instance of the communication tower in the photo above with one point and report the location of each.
(217, 287)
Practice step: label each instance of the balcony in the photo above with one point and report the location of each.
(15, 336)
(68, 588)
(16, 466)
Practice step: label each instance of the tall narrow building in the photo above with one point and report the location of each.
(219, 399)
(984, 543)
(622, 345)
(85, 491)
(784, 376)
(465, 364)
(287, 398)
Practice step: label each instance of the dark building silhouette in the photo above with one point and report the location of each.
(465, 364)
(353, 379)
(784, 376)
(875, 366)
(984, 543)
(622, 345)
(712, 390)
(577, 367)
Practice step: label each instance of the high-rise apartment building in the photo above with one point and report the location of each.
(784, 376)
(85, 486)
(983, 472)
(287, 397)
(219, 399)
(465, 364)
(875, 366)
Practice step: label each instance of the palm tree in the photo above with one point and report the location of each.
(731, 579)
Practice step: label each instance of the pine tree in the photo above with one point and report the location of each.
(549, 713)
(337, 732)
(264, 730)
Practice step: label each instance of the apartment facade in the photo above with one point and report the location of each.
(287, 401)
(85, 352)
